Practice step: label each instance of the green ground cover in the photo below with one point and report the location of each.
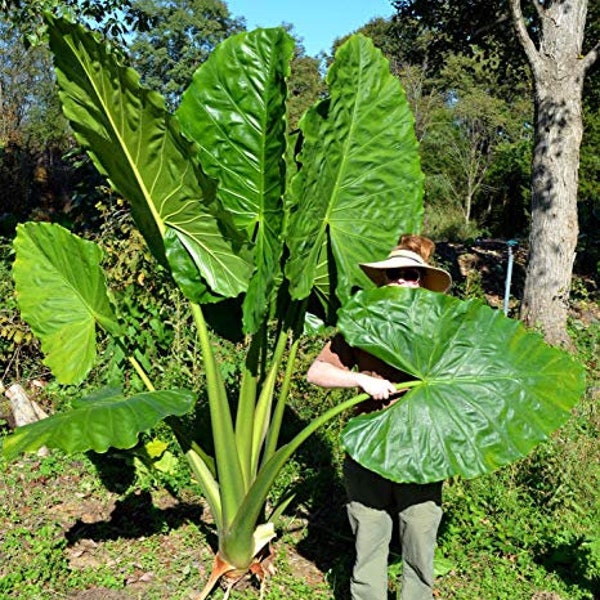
(103, 528)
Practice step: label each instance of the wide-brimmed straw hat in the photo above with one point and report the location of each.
(432, 278)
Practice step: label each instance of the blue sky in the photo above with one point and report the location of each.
(317, 22)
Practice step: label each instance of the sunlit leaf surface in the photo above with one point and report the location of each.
(61, 293)
(100, 422)
(360, 183)
(134, 141)
(490, 390)
(235, 111)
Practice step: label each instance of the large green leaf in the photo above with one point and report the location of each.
(235, 111)
(360, 184)
(137, 144)
(100, 422)
(61, 293)
(489, 389)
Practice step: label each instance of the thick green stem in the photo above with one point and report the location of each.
(264, 405)
(142, 374)
(229, 470)
(136, 365)
(203, 468)
(250, 510)
(292, 325)
(275, 427)
(245, 410)
(208, 484)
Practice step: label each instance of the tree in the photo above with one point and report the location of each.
(33, 133)
(113, 17)
(553, 35)
(558, 67)
(182, 34)
(473, 121)
(428, 30)
(305, 84)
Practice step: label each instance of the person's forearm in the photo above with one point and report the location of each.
(327, 375)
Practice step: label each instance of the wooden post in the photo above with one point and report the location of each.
(24, 409)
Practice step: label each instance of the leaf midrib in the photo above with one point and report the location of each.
(113, 125)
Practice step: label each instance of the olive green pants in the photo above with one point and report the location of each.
(373, 504)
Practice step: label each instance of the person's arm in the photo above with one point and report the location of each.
(328, 375)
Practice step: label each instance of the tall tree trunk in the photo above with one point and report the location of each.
(558, 71)
(554, 225)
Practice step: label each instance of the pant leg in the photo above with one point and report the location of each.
(419, 522)
(369, 500)
(372, 529)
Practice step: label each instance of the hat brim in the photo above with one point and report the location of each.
(432, 278)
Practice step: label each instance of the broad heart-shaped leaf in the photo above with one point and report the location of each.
(61, 293)
(360, 184)
(489, 389)
(133, 140)
(235, 111)
(100, 422)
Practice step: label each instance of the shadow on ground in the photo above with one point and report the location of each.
(574, 562)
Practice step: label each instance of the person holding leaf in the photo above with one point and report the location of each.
(373, 501)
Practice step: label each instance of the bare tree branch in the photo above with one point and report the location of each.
(521, 29)
(590, 58)
(491, 26)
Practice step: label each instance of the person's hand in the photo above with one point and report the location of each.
(379, 389)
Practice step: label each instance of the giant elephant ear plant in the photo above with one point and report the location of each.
(234, 211)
